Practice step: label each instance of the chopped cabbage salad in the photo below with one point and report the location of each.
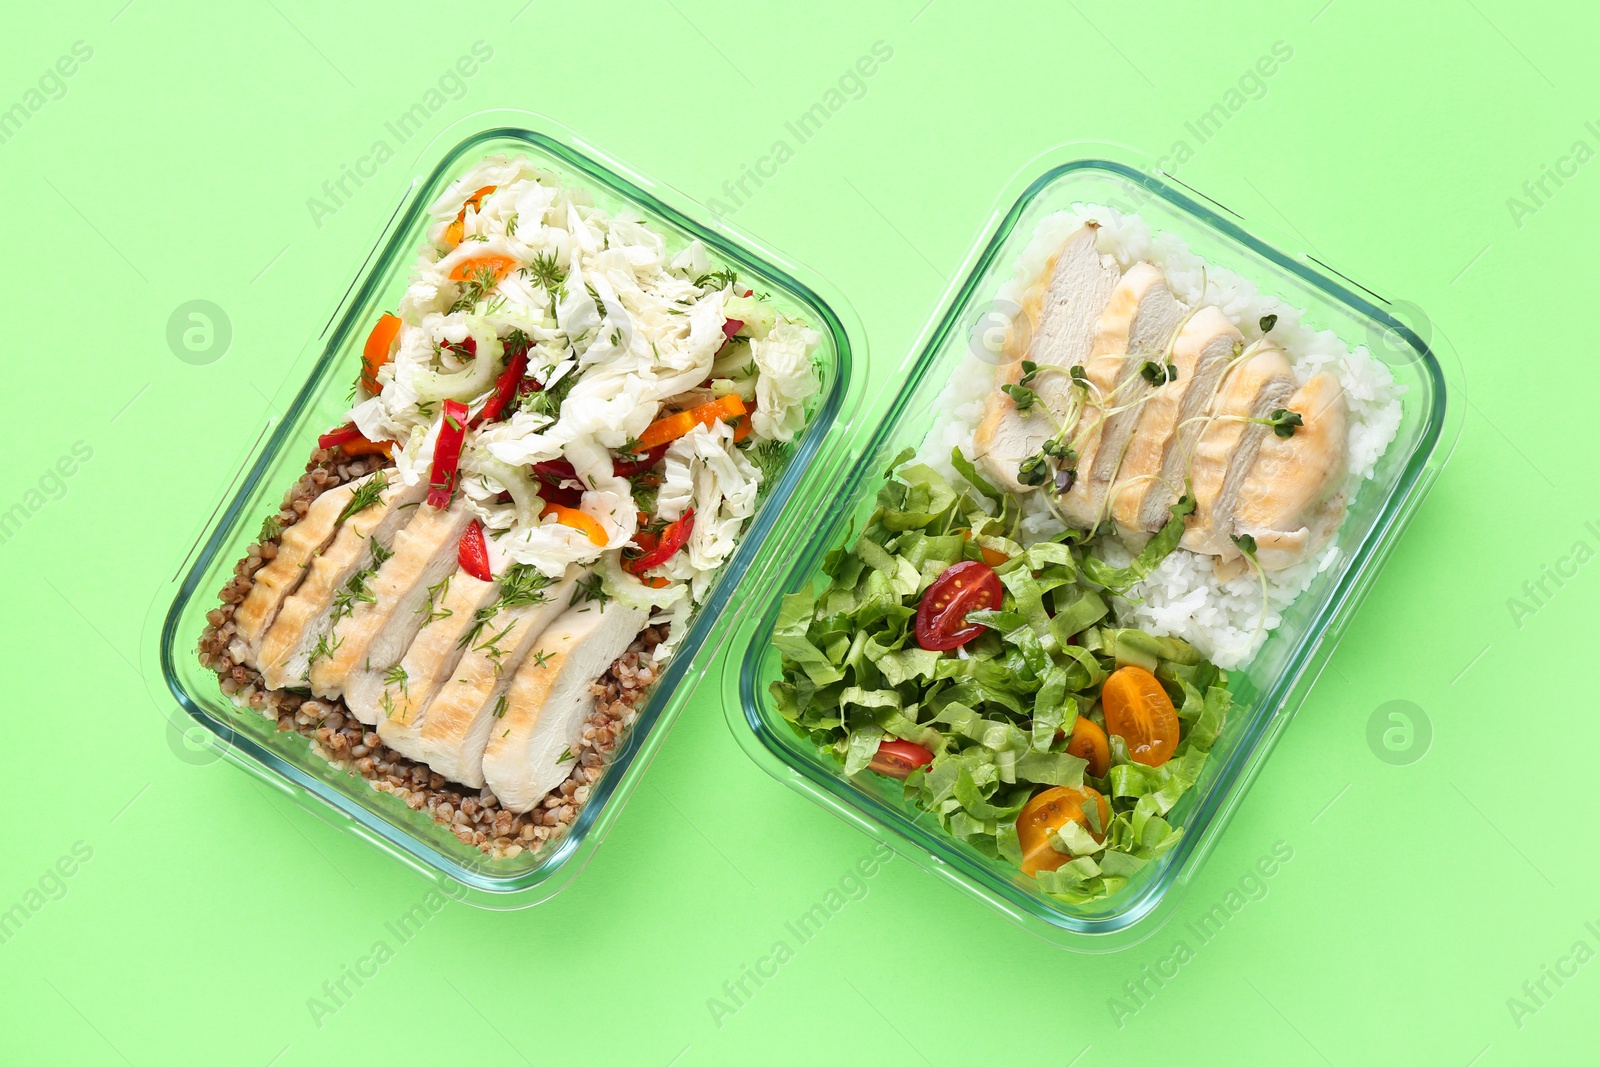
(595, 398)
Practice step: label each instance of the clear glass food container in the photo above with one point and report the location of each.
(1267, 691)
(205, 724)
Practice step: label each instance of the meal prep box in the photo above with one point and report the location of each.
(1267, 690)
(205, 721)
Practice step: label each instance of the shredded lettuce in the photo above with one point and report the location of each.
(996, 714)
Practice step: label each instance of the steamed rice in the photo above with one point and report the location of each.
(1183, 597)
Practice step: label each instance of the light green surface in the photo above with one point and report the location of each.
(177, 166)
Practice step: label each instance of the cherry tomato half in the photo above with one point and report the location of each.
(898, 759)
(942, 615)
(1050, 811)
(1139, 711)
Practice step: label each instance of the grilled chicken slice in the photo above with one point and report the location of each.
(1156, 461)
(456, 725)
(376, 633)
(1292, 501)
(397, 695)
(1061, 311)
(1227, 447)
(531, 747)
(337, 579)
(282, 574)
(1137, 327)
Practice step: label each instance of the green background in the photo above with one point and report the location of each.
(176, 165)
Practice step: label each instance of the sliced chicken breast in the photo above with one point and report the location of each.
(1154, 465)
(1061, 311)
(532, 746)
(337, 580)
(399, 696)
(376, 633)
(1138, 326)
(281, 575)
(1292, 501)
(456, 726)
(1226, 449)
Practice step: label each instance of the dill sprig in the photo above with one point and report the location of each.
(480, 619)
(717, 279)
(548, 401)
(500, 707)
(436, 595)
(546, 271)
(521, 585)
(355, 590)
(475, 288)
(324, 649)
(397, 675)
(271, 529)
(365, 496)
(769, 457)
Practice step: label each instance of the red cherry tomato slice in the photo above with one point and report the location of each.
(897, 759)
(942, 615)
(473, 553)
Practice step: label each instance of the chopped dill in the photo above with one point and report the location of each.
(271, 529)
(500, 707)
(521, 585)
(589, 589)
(566, 755)
(491, 646)
(540, 657)
(769, 458)
(717, 279)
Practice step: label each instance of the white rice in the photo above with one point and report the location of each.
(1182, 597)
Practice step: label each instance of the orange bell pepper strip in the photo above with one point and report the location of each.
(377, 351)
(576, 519)
(473, 266)
(672, 427)
(457, 229)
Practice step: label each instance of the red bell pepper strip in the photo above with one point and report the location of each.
(555, 471)
(447, 454)
(731, 327)
(504, 389)
(342, 436)
(645, 460)
(473, 553)
(348, 438)
(674, 537)
(563, 495)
